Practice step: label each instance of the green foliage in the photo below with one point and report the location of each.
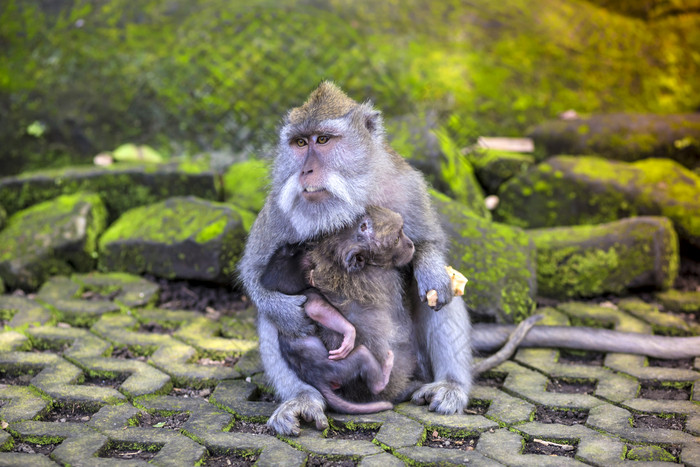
(81, 76)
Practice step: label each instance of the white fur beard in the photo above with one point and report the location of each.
(310, 219)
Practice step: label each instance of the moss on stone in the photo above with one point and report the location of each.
(458, 174)
(650, 454)
(625, 137)
(591, 260)
(53, 237)
(122, 186)
(497, 259)
(3, 217)
(494, 167)
(245, 184)
(593, 190)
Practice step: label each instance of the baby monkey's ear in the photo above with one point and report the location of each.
(355, 259)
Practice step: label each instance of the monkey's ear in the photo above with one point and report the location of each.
(371, 119)
(355, 259)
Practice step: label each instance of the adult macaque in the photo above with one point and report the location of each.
(333, 162)
(356, 270)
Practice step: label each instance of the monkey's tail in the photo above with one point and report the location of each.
(340, 405)
(510, 346)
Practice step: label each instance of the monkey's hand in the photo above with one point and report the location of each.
(444, 397)
(345, 347)
(431, 276)
(287, 314)
(285, 420)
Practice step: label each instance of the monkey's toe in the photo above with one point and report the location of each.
(285, 420)
(444, 397)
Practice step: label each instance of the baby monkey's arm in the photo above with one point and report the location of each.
(319, 310)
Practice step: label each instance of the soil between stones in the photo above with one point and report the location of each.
(155, 420)
(31, 448)
(463, 443)
(364, 434)
(564, 417)
(548, 448)
(230, 460)
(674, 422)
(571, 387)
(71, 413)
(657, 391)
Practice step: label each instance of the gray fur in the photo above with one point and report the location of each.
(372, 174)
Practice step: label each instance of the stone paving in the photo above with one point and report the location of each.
(116, 357)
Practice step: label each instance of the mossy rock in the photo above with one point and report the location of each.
(413, 137)
(626, 137)
(54, 237)
(567, 190)
(680, 301)
(650, 454)
(494, 167)
(3, 217)
(122, 186)
(246, 183)
(179, 238)
(498, 260)
(585, 261)
(432, 150)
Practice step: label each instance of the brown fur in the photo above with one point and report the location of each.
(371, 298)
(325, 103)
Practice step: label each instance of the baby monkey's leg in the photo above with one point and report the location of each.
(318, 309)
(375, 375)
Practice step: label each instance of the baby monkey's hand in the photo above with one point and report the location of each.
(346, 346)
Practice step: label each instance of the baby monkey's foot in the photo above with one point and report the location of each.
(386, 372)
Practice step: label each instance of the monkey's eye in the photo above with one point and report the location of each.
(301, 142)
(398, 239)
(323, 139)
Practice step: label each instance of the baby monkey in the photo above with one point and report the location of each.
(353, 290)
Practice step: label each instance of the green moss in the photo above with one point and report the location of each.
(173, 220)
(650, 453)
(497, 259)
(245, 184)
(591, 260)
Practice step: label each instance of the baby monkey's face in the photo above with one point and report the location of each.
(389, 245)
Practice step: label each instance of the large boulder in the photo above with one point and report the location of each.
(181, 237)
(54, 237)
(590, 260)
(569, 190)
(498, 260)
(626, 137)
(121, 186)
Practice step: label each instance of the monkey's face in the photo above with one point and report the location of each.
(323, 175)
(325, 171)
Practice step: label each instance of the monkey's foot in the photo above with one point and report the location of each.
(444, 397)
(386, 374)
(386, 368)
(285, 420)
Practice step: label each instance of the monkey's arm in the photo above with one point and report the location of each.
(324, 313)
(423, 227)
(488, 337)
(283, 311)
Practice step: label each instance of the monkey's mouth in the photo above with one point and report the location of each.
(315, 193)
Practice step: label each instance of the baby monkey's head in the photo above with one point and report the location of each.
(377, 239)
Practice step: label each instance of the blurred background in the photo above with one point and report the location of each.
(78, 77)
